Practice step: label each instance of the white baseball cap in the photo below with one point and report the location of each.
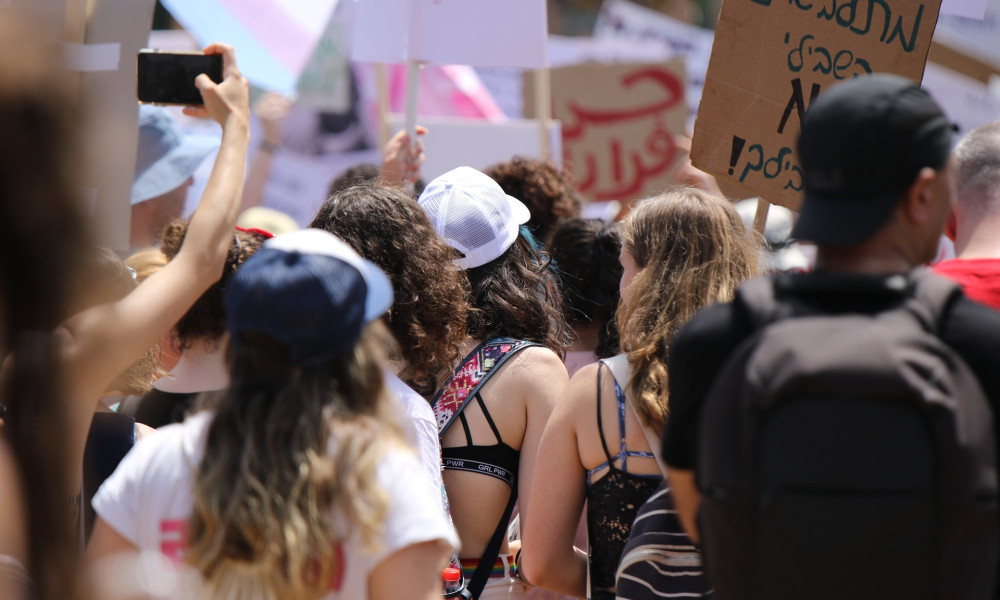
(473, 215)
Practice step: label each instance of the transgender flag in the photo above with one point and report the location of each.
(273, 38)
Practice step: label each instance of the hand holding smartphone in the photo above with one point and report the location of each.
(168, 77)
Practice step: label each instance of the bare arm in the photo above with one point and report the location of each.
(548, 558)
(540, 389)
(105, 541)
(271, 109)
(400, 161)
(412, 573)
(687, 498)
(97, 344)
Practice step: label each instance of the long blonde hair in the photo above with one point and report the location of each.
(268, 486)
(693, 250)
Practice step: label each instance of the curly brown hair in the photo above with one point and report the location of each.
(544, 188)
(516, 296)
(207, 318)
(385, 225)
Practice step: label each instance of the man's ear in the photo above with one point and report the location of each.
(918, 200)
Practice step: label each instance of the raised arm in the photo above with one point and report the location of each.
(98, 343)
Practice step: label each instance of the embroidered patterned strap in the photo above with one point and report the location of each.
(470, 376)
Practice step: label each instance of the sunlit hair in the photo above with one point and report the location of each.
(288, 447)
(693, 250)
(42, 236)
(516, 296)
(387, 226)
(104, 278)
(585, 253)
(145, 262)
(543, 187)
(207, 318)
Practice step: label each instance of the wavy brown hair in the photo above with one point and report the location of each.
(543, 187)
(207, 317)
(693, 250)
(386, 225)
(42, 238)
(517, 296)
(268, 486)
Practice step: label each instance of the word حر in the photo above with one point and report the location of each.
(846, 14)
(633, 161)
(779, 165)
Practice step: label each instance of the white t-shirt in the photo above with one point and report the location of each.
(419, 426)
(148, 501)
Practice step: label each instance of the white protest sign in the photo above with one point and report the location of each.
(507, 33)
(967, 102)
(506, 84)
(978, 37)
(969, 9)
(452, 143)
(624, 20)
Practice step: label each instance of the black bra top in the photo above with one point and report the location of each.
(499, 460)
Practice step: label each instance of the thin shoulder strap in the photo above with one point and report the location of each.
(470, 377)
(600, 422)
(622, 371)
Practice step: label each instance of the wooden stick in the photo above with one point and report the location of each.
(760, 218)
(382, 92)
(543, 108)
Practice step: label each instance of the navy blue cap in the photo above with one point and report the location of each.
(308, 290)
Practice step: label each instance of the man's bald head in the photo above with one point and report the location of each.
(977, 177)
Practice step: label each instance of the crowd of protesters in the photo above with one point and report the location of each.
(470, 386)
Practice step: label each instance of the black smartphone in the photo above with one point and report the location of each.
(168, 77)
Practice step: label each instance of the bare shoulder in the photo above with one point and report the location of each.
(537, 360)
(13, 536)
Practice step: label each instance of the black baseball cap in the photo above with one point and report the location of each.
(861, 145)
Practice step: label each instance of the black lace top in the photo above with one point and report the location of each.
(612, 503)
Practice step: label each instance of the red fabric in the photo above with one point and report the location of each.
(979, 277)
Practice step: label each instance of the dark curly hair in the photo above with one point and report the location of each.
(363, 174)
(585, 254)
(545, 189)
(207, 318)
(515, 296)
(385, 225)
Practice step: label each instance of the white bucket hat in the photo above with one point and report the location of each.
(473, 215)
(166, 158)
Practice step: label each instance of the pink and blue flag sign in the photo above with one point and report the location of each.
(274, 38)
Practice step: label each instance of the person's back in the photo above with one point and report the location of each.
(976, 216)
(491, 446)
(306, 419)
(680, 251)
(875, 206)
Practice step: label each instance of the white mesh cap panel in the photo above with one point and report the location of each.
(473, 215)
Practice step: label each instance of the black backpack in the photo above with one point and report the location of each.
(847, 456)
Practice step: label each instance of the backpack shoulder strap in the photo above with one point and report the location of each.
(932, 297)
(470, 376)
(759, 299)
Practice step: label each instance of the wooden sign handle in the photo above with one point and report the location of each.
(760, 217)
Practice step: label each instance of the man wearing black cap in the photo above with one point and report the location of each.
(878, 193)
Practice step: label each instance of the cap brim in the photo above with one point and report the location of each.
(518, 211)
(171, 171)
(379, 297)
(843, 221)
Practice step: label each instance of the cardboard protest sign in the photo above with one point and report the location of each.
(772, 58)
(511, 33)
(619, 123)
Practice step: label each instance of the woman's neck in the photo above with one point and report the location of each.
(201, 368)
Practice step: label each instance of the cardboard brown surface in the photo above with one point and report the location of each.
(619, 123)
(772, 57)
